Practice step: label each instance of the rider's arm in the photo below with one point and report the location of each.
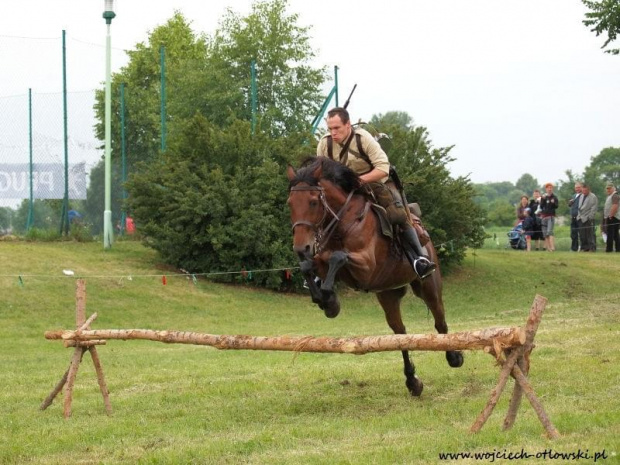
(378, 158)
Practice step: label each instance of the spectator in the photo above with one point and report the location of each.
(529, 223)
(535, 213)
(573, 203)
(585, 219)
(611, 217)
(548, 205)
(130, 226)
(520, 209)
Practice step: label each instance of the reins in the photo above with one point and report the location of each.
(322, 234)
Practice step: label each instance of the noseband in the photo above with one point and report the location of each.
(316, 227)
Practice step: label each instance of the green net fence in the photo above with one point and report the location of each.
(47, 152)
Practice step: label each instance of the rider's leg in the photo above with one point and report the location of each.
(389, 198)
(411, 243)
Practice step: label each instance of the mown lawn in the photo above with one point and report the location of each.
(188, 404)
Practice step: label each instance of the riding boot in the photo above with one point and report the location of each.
(413, 249)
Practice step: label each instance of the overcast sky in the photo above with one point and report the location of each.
(516, 86)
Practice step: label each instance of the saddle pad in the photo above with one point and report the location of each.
(386, 227)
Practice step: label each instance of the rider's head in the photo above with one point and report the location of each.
(339, 124)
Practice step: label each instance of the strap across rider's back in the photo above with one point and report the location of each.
(344, 153)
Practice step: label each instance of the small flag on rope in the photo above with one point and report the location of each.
(163, 280)
(20, 281)
(194, 280)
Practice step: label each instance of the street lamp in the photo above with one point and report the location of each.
(108, 15)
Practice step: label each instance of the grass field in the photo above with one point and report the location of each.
(187, 404)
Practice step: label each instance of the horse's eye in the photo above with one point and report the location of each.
(314, 203)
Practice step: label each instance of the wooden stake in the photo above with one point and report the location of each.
(497, 391)
(531, 327)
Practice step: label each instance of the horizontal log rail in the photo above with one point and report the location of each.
(465, 340)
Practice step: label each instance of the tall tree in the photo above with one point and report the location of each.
(602, 168)
(288, 87)
(604, 17)
(527, 183)
(454, 221)
(391, 119)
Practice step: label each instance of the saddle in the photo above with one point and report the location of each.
(387, 229)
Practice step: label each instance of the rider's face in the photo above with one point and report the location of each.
(337, 129)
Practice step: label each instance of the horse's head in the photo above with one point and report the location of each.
(307, 200)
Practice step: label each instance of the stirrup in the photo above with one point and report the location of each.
(423, 267)
(317, 281)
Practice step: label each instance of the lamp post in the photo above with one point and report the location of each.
(108, 15)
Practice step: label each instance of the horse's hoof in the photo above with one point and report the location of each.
(415, 386)
(454, 358)
(332, 310)
(330, 304)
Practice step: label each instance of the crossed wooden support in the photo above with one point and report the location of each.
(68, 379)
(510, 346)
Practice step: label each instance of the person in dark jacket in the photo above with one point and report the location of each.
(529, 225)
(573, 203)
(548, 206)
(535, 214)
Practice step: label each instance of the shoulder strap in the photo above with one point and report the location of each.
(330, 147)
(358, 139)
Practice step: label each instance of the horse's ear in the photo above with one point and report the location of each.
(290, 172)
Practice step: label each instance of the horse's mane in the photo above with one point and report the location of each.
(331, 170)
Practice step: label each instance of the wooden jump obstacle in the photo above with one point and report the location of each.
(510, 346)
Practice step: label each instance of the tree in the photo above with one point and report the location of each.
(390, 120)
(288, 87)
(454, 221)
(6, 215)
(215, 200)
(527, 183)
(210, 76)
(604, 16)
(603, 167)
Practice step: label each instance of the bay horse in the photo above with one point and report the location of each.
(337, 237)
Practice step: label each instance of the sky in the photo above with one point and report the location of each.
(515, 86)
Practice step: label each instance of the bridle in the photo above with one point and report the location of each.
(322, 235)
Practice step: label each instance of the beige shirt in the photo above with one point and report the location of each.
(355, 161)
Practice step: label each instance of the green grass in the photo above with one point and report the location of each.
(189, 404)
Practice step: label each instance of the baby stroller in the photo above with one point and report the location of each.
(516, 239)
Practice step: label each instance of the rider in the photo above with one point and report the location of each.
(358, 149)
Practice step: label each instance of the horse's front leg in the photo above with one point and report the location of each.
(330, 303)
(307, 270)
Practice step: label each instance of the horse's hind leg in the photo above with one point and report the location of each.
(390, 301)
(429, 291)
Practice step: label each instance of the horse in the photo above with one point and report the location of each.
(338, 238)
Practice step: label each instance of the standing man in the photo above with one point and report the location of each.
(611, 216)
(588, 204)
(548, 205)
(573, 203)
(357, 149)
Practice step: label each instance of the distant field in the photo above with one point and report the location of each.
(188, 404)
